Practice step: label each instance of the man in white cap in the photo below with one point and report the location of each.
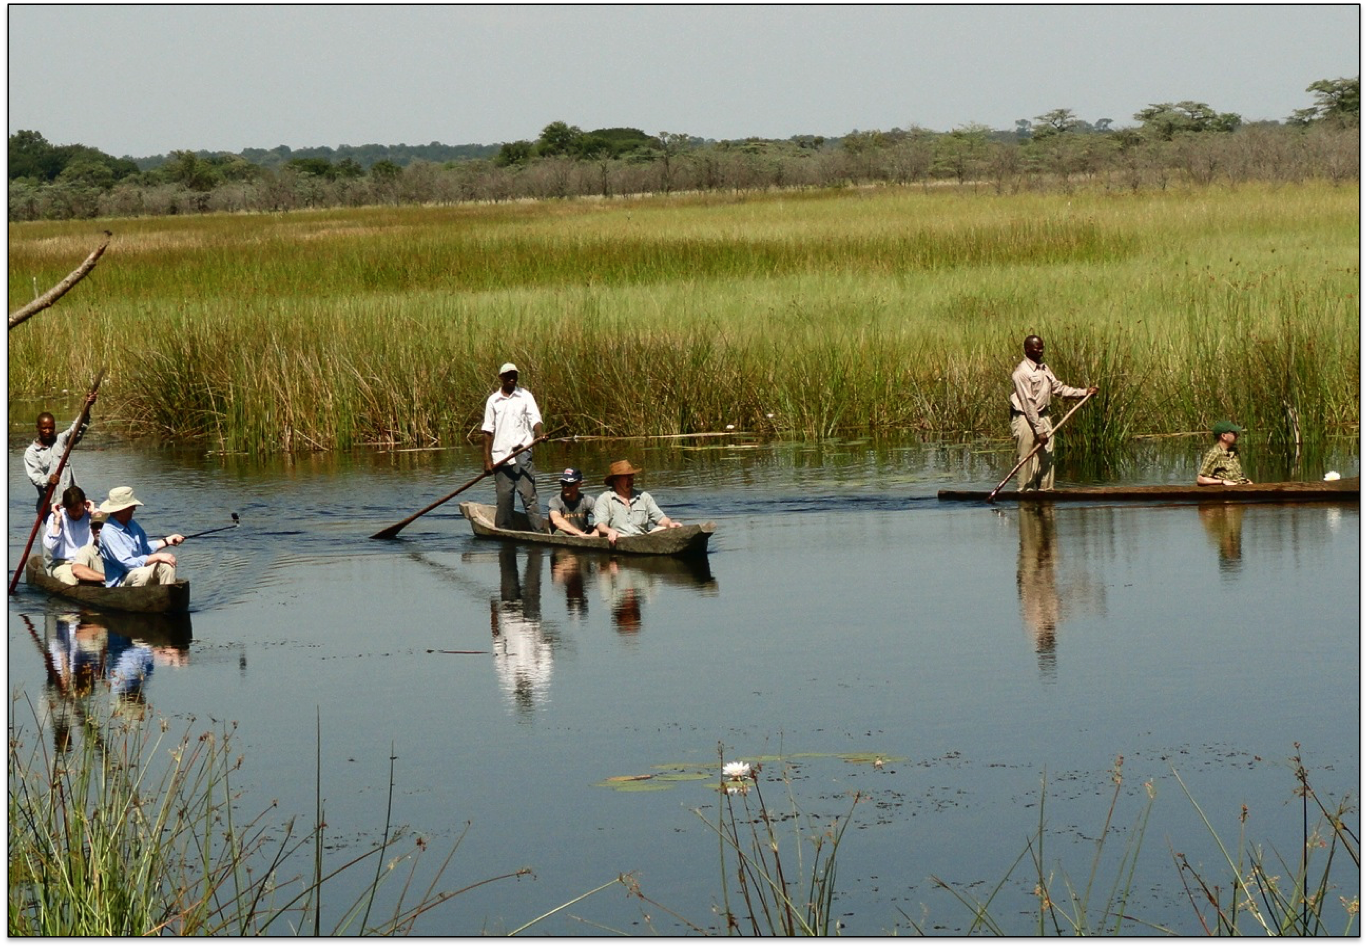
(130, 559)
(512, 421)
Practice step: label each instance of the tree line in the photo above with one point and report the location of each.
(1173, 141)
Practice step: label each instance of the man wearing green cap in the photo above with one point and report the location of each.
(1221, 465)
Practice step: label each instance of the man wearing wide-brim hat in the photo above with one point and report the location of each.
(130, 559)
(1221, 464)
(626, 511)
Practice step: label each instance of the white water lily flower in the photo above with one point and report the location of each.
(1332, 475)
(736, 770)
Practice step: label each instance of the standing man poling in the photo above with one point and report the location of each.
(511, 422)
(41, 457)
(1032, 385)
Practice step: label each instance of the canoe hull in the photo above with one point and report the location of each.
(690, 540)
(1283, 492)
(144, 599)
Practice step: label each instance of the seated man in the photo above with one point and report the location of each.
(130, 559)
(625, 511)
(70, 540)
(1221, 465)
(571, 512)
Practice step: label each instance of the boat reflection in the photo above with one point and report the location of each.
(1224, 524)
(86, 653)
(625, 583)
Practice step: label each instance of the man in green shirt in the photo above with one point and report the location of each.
(1221, 465)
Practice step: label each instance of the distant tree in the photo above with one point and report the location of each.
(1337, 103)
(559, 139)
(1056, 122)
(1102, 125)
(385, 171)
(190, 170)
(671, 144)
(1167, 119)
(1023, 128)
(513, 153)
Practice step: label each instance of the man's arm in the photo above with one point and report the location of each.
(33, 469)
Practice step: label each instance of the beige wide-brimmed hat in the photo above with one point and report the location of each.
(618, 469)
(120, 498)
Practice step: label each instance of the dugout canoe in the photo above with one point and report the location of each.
(147, 599)
(689, 540)
(1346, 489)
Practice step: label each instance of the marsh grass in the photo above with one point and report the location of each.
(134, 833)
(877, 310)
(1257, 892)
(771, 884)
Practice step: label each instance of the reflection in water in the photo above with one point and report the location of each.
(1036, 583)
(522, 653)
(83, 651)
(1223, 524)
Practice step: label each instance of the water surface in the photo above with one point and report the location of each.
(844, 615)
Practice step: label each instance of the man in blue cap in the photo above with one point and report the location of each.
(571, 511)
(1221, 465)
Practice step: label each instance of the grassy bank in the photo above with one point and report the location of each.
(801, 313)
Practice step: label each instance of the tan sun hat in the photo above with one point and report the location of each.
(120, 498)
(618, 469)
(507, 367)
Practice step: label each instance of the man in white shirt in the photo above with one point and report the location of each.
(71, 539)
(512, 421)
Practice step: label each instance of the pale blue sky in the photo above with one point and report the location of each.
(143, 80)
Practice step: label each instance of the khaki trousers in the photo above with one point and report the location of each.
(88, 556)
(1037, 473)
(158, 574)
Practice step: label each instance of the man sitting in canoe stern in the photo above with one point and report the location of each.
(625, 511)
(1221, 464)
(130, 559)
(1032, 385)
(571, 511)
(71, 540)
(511, 421)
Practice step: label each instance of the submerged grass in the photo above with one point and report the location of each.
(885, 309)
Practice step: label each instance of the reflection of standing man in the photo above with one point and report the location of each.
(1036, 582)
(522, 655)
(512, 421)
(1032, 385)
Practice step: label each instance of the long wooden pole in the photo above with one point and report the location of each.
(56, 293)
(1039, 444)
(52, 484)
(389, 533)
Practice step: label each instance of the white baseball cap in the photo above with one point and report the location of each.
(507, 367)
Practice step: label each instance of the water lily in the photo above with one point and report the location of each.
(736, 770)
(1332, 475)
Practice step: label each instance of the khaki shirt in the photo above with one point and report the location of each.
(1218, 462)
(1032, 386)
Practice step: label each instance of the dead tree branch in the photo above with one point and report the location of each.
(56, 293)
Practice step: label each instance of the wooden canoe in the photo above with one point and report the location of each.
(1346, 489)
(690, 540)
(149, 599)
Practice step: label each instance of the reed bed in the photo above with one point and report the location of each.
(804, 314)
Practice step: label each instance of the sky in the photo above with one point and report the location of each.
(143, 80)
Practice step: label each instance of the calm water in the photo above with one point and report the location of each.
(843, 614)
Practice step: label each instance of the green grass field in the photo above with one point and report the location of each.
(802, 313)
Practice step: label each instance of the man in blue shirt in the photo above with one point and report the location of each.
(130, 559)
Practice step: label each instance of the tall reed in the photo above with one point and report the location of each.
(884, 309)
